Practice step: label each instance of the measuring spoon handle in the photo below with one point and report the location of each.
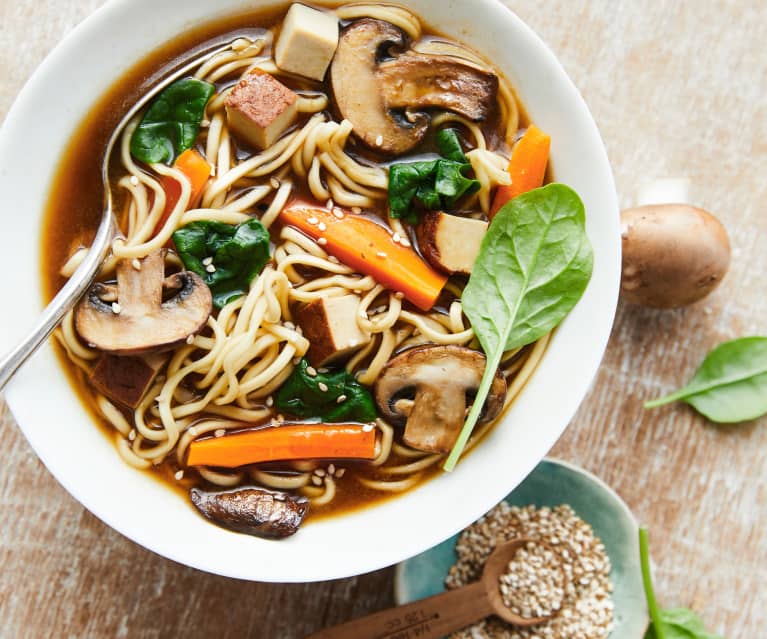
(429, 618)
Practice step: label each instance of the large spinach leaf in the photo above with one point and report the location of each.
(317, 395)
(227, 257)
(674, 623)
(533, 266)
(731, 383)
(171, 123)
(434, 184)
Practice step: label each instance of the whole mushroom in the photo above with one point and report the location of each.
(430, 388)
(673, 254)
(135, 317)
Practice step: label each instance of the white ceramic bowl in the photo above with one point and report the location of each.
(76, 451)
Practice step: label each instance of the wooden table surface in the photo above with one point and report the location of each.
(678, 89)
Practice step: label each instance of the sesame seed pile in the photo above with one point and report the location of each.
(585, 606)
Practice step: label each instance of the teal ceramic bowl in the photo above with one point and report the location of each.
(553, 483)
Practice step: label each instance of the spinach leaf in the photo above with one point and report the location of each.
(730, 385)
(534, 264)
(435, 184)
(171, 123)
(302, 395)
(674, 623)
(227, 257)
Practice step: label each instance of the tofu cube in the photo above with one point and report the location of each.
(260, 108)
(307, 42)
(450, 243)
(331, 327)
(125, 380)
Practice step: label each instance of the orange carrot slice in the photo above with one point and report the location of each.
(197, 169)
(368, 247)
(283, 443)
(527, 167)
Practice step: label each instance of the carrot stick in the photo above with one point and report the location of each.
(197, 170)
(282, 443)
(527, 167)
(362, 244)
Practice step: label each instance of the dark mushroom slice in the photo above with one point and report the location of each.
(382, 88)
(253, 511)
(430, 388)
(131, 318)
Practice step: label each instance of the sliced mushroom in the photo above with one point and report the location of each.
(131, 318)
(253, 511)
(382, 89)
(450, 243)
(441, 382)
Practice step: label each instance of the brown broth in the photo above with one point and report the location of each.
(75, 206)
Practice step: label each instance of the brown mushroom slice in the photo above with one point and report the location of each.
(382, 89)
(417, 81)
(450, 243)
(138, 320)
(253, 511)
(441, 380)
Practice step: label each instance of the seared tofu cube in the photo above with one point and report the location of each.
(307, 42)
(260, 108)
(331, 327)
(450, 243)
(125, 380)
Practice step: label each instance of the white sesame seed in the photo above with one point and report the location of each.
(179, 475)
(323, 387)
(207, 261)
(116, 308)
(132, 435)
(219, 432)
(396, 237)
(356, 210)
(274, 183)
(379, 140)
(381, 254)
(366, 428)
(322, 226)
(270, 401)
(329, 204)
(322, 241)
(340, 472)
(311, 371)
(136, 264)
(323, 370)
(340, 399)
(296, 361)
(317, 481)
(338, 213)
(190, 339)
(312, 220)
(332, 469)
(134, 180)
(210, 268)
(319, 472)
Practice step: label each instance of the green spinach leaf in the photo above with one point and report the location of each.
(306, 395)
(171, 123)
(674, 623)
(730, 385)
(534, 264)
(227, 257)
(435, 184)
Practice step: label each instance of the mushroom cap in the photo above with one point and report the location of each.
(430, 388)
(139, 321)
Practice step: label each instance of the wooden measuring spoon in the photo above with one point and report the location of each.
(438, 616)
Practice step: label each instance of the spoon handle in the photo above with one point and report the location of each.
(429, 618)
(65, 299)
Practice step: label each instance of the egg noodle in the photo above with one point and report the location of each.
(225, 376)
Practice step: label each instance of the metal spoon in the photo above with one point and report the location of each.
(444, 613)
(83, 277)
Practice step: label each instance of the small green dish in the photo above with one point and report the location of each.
(551, 483)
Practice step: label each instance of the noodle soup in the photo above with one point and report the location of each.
(279, 331)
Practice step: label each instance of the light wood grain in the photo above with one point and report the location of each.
(677, 90)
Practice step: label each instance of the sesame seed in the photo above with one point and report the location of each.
(280, 418)
(396, 237)
(116, 308)
(340, 399)
(340, 472)
(132, 435)
(329, 204)
(296, 361)
(207, 261)
(366, 428)
(270, 401)
(323, 370)
(379, 140)
(332, 469)
(322, 241)
(319, 472)
(190, 339)
(210, 268)
(136, 264)
(274, 183)
(381, 254)
(219, 432)
(193, 431)
(356, 210)
(311, 371)
(317, 481)
(205, 123)
(289, 325)
(323, 387)
(322, 226)
(179, 475)
(338, 213)
(134, 180)
(312, 220)
(399, 295)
